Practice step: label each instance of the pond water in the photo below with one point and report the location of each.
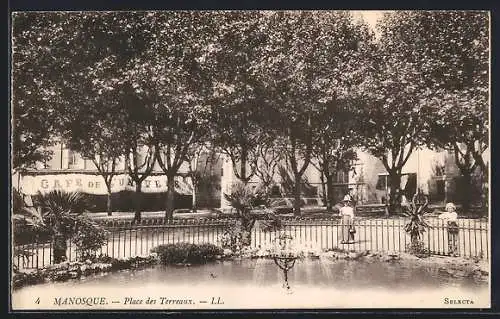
(258, 283)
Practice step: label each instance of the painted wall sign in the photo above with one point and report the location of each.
(94, 184)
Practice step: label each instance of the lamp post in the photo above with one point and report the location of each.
(284, 257)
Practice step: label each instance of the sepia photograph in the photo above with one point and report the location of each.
(250, 159)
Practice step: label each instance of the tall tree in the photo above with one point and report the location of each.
(61, 61)
(303, 72)
(139, 139)
(333, 156)
(450, 51)
(169, 74)
(136, 132)
(33, 113)
(239, 121)
(397, 119)
(99, 142)
(202, 158)
(269, 157)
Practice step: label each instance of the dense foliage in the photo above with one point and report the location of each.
(259, 87)
(59, 216)
(186, 253)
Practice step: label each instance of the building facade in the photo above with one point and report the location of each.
(435, 173)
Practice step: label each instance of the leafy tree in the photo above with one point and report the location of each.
(238, 123)
(396, 104)
(100, 142)
(334, 152)
(58, 58)
(457, 60)
(201, 160)
(339, 159)
(80, 59)
(167, 73)
(32, 113)
(305, 69)
(136, 132)
(397, 121)
(140, 143)
(288, 183)
(269, 158)
(448, 52)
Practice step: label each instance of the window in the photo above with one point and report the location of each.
(342, 177)
(314, 190)
(275, 190)
(381, 182)
(72, 159)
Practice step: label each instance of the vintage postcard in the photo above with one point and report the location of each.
(167, 160)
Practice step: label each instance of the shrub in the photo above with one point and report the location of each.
(417, 248)
(59, 218)
(231, 238)
(186, 253)
(23, 279)
(88, 238)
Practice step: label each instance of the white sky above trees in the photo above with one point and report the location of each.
(370, 17)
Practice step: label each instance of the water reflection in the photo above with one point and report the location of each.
(341, 274)
(258, 284)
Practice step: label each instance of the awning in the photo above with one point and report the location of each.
(94, 184)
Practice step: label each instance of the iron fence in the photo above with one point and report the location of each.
(126, 240)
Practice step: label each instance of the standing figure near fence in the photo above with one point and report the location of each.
(347, 231)
(450, 216)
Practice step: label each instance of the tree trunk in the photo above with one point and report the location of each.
(108, 203)
(169, 205)
(395, 192)
(247, 224)
(297, 192)
(243, 166)
(138, 194)
(466, 191)
(414, 238)
(329, 192)
(324, 196)
(59, 248)
(194, 199)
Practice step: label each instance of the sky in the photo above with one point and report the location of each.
(370, 16)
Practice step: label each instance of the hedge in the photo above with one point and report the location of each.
(186, 253)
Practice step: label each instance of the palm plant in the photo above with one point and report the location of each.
(417, 224)
(61, 215)
(60, 211)
(243, 199)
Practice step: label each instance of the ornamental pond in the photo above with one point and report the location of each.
(258, 284)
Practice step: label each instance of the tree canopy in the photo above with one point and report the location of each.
(305, 83)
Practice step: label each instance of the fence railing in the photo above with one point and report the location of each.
(126, 240)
